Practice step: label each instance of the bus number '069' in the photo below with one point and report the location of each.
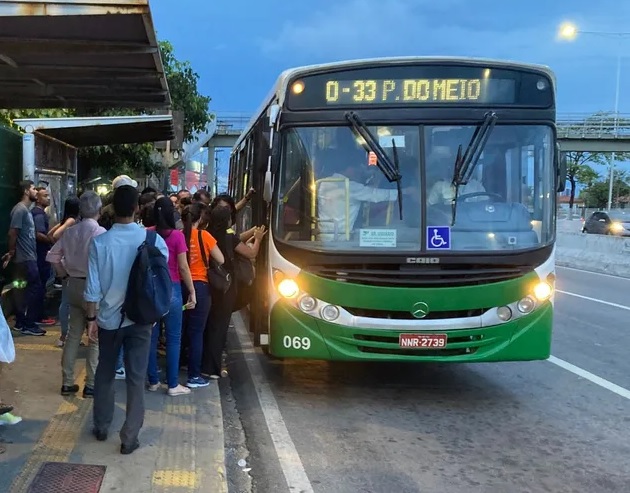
(297, 342)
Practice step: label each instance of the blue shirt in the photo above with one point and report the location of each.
(110, 258)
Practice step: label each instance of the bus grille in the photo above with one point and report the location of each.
(406, 315)
(395, 275)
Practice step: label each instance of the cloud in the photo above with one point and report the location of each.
(373, 28)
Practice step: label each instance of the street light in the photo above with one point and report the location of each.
(569, 31)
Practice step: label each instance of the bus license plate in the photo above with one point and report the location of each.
(422, 341)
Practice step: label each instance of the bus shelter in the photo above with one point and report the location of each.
(50, 145)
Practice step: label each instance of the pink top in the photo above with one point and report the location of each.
(176, 243)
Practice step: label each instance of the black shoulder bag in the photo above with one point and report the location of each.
(242, 267)
(218, 278)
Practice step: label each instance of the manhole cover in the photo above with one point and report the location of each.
(62, 477)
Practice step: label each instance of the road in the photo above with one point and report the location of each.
(550, 426)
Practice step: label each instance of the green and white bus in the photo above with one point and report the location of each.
(411, 210)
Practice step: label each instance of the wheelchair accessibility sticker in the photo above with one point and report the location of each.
(438, 238)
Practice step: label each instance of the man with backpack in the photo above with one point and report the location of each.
(127, 291)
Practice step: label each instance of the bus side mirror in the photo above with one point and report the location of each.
(274, 111)
(267, 187)
(561, 167)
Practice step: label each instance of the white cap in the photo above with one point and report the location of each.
(122, 180)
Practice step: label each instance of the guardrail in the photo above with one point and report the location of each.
(231, 123)
(589, 126)
(595, 253)
(570, 125)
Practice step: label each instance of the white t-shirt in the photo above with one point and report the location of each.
(331, 203)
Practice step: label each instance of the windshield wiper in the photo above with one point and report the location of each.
(397, 165)
(465, 165)
(383, 162)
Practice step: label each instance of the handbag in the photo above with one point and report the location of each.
(218, 277)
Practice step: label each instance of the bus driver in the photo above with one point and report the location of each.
(331, 200)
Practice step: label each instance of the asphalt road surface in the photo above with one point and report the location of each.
(556, 426)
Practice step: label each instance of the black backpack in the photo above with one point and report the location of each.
(149, 288)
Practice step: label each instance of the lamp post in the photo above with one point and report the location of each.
(569, 31)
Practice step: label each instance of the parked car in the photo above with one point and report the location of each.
(608, 223)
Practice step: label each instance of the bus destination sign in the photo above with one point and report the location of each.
(412, 90)
(419, 85)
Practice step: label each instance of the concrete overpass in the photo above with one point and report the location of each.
(593, 133)
(222, 133)
(576, 132)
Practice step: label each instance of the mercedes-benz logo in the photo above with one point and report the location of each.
(420, 309)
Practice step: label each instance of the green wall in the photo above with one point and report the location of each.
(10, 174)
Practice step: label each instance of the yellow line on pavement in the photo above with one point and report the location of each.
(58, 439)
(176, 479)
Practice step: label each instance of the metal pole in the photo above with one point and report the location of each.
(613, 156)
(216, 174)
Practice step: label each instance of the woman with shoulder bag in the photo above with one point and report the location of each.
(201, 246)
(164, 220)
(222, 307)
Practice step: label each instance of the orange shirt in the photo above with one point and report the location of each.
(197, 268)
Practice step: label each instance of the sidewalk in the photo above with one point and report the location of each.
(181, 443)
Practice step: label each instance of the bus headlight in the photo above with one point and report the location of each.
(542, 291)
(504, 313)
(526, 305)
(288, 288)
(330, 313)
(307, 303)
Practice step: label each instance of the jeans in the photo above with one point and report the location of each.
(173, 330)
(136, 341)
(27, 299)
(64, 310)
(120, 361)
(45, 271)
(195, 323)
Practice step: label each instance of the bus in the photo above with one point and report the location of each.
(411, 207)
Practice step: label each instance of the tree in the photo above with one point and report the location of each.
(578, 171)
(597, 194)
(182, 83)
(132, 158)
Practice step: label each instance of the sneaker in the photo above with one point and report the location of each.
(59, 343)
(33, 331)
(120, 374)
(9, 419)
(153, 387)
(179, 390)
(195, 383)
(214, 377)
(47, 321)
(5, 409)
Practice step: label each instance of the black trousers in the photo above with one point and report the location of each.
(215, 336)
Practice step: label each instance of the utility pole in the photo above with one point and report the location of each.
(215, 185)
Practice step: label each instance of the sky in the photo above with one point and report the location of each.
(239, 47)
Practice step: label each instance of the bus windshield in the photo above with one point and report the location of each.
(331, 195)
